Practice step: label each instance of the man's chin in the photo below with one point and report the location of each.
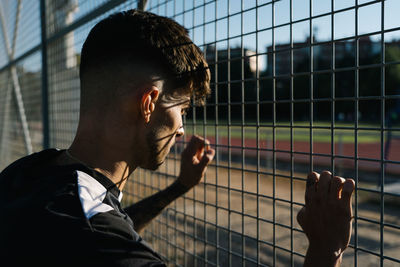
(155, 166)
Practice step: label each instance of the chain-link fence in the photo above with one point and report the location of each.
(297, 85)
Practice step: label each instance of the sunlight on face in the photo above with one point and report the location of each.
(166, 124)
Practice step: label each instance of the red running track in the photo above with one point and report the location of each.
(369, 154)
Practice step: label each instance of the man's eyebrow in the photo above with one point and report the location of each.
(187, 104)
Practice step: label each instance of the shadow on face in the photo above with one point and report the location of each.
(167, 127)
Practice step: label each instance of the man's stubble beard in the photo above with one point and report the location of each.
(153, 159)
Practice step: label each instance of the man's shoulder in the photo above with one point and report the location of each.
(24, 174)
(30, 161)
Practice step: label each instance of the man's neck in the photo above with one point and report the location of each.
(102, 159)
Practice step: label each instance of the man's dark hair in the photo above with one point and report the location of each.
(145, 44)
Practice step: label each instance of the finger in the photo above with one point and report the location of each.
(204, 147)
(207, 158)
(347, 191)
(324, 184)
(196, 143)
(336, 185)
(311, 184)
(199, 153)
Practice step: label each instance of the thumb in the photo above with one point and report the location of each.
(301, 217)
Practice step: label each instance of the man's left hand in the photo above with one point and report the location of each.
(326, 218)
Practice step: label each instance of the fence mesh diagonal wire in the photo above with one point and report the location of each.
(297, 85)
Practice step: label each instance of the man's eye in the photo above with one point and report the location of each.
(184, 111)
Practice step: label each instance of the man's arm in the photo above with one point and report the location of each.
(326, 218)
(195, 158)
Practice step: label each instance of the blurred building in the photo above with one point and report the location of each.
(322, 54)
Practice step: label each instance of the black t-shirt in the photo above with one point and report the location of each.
(65, 215)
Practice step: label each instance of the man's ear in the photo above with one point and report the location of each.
(148, 102)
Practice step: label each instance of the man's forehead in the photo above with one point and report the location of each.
(158, 82)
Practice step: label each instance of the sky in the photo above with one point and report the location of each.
(221, 22)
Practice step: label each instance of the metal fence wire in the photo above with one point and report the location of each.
(297, 85)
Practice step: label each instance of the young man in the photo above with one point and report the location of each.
(138, 73)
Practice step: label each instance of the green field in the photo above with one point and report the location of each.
(321, 132)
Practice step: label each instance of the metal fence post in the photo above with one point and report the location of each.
(15, 78)
(45, 100)
(142, 5)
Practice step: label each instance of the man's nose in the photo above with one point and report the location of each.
(180, 132)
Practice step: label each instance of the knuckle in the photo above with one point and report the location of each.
(349, 180)
(326, 173)
(310, 182)
(312, 175)
(197, 137)
(338, 180)
(342, 180)
(193, 139)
